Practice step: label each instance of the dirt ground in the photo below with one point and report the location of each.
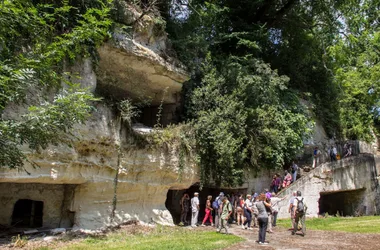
(280, 239)
(322, 240)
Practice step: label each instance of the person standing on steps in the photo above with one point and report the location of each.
(194, 210)
(287, 180)
(278, 183)
(299, 213)
(294, 169)
(334, 153)
(316, 155)
(225, 215)
(262, 218)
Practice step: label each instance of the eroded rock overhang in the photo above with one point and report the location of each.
(128, 69)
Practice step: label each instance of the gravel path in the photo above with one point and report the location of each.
(322, 240)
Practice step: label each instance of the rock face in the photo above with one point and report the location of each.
(92, 184)
(78, 184)
(347, 187)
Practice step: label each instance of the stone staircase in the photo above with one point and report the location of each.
(349, 174)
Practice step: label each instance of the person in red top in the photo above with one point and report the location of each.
(208, 212)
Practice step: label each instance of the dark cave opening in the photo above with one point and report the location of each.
(173, 199)
(27, 213)
(342, 203)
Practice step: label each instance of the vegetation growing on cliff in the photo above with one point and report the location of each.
(251, 63)
(244, 109)
(36, 40)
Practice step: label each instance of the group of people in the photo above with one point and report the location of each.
(332, 153)
(290, 176)
(258, 209)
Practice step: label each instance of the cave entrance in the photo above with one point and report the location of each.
(174, 197)
(342, 203)
(27, 213)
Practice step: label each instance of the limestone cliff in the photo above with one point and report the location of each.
(91, 183)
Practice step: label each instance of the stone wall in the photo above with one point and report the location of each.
(51, 195)
(350, 174)
(144, 175)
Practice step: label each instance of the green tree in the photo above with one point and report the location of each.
(245, 118)
(36, 39)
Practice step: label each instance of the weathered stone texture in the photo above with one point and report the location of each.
(354, 173)
(51, 195)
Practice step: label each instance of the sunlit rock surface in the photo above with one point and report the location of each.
(88, 183)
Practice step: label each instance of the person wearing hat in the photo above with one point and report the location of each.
(194, 210)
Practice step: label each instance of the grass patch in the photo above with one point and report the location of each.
(365, 224)
(161, 238)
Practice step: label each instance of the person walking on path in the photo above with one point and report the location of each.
(218, 208)
(240, 211)
(299, 213)
(225, 215)
(254, 210)
(269, 211)
(275, 207)
(208, 211)
(194, 210)
(185, 208)
(247, 213)
(291, 208)
(262, 218)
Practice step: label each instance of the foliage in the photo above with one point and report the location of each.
(43, 125)
(128, 111)
(19, 241)
(37, 41)
(356, 66)
(159, 238)
(364, 224)
(328, 49)
(244, 120)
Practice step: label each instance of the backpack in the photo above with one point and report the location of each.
(300, 206)
(215, 204)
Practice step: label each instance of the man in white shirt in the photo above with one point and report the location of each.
(194, 209)
(335, 152)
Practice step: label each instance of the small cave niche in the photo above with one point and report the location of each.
(165, 113)
(174, 196)
(342, 203)
(27, 213)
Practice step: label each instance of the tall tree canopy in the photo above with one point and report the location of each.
(244, 108)
(36, 39)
